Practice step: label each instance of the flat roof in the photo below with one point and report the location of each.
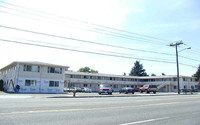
(31, 63)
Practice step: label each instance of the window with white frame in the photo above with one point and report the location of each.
(54, 70)
(31, 68)
(53, 83)
(30, 82)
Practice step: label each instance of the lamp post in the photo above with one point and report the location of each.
(177, 64)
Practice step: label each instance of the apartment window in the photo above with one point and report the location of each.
(30, 82)
(115, 86)
(85, 85)
(184, 79)
(31, 68)
(185, 86)
(54, 70)
(175, 87)
(175, 79)
(53, 83)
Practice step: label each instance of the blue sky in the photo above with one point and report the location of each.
(171, 20)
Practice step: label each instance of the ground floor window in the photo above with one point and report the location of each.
(30, 82)
(175, 87)
(53, 83)
(115, 86)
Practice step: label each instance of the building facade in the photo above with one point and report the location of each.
(164, 83)
(37, 77)
(34, 77)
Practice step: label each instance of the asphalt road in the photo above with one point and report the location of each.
(144, 110)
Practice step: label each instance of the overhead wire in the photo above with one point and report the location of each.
(80, 40)
(88, 52)
(103, 30)
(93, 50)
(85, 22)
(96, 30)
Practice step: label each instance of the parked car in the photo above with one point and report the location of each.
(86, 90)
(137, 89)
(127, 90)
(148, 89)
(105, 89)
(77, 89)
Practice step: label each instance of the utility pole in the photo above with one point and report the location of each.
(177, 65)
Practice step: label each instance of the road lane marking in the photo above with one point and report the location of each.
(145, 121)
(89, 109)
(79, 103)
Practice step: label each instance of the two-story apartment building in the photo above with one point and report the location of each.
(38, 77)
(34, 77)
(164, 83)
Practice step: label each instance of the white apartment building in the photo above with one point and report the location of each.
(38, 77)
(164, 83)
(34, 77)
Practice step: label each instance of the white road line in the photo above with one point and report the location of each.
(144, 121)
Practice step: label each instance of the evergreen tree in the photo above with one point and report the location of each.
(138, 70)
(197, 74)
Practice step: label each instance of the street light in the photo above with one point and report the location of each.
(184, 49)
(176, 44)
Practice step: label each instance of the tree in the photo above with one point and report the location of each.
(124, 74)
(153, 74)
(87, 69)
(197, 74)
(163, 74)
(138, 70)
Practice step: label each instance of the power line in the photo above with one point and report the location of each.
(99, 43)
(82, 51)
(105, 32)
(94, 50)
(85, 22)
(99, 32)
(85, 41)
(96, 53)
(189, 58)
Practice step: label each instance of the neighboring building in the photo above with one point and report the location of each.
(197, 85)
(34, 77)
(164, 83)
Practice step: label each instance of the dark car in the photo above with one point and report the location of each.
(105, 89)
(127, 90)
(137, 89)
(148, 88)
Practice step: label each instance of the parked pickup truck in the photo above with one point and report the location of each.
(105, 89)
(148, 89)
